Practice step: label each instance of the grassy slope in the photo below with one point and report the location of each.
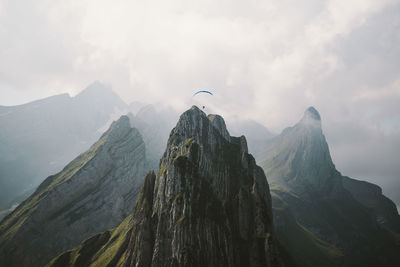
(104, 249)
(12, 223)
(305, 248)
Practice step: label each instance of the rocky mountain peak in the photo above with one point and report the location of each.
(312, 112)
(119, 128)
(311, 118)
(208, 182)
(209, 204)
(91, 194)
(194, 123)
(300, 155)
(39, 138)
(314, 203)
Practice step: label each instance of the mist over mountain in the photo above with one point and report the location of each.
(200, 133)
(154, 123)
(256, 134)
(208, 204)
(39, 138)
(322, 217)
(93, 193)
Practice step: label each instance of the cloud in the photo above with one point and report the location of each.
(264, 60)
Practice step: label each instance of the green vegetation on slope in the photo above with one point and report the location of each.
(15, 220)
(104, 249)
(305, 248)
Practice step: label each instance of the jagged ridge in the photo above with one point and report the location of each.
(209, 204)
(41, 137)
(91, 194)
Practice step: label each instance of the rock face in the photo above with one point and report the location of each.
(94, 192)
(321, 217)
(299, 157)
(40, 137)
(209, 205)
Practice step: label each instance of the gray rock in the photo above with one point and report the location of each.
(95, 192)
(322, 217)
(208, 208)
(209, 205)
(219, 123)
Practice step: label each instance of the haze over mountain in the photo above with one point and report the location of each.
(322, 217)
(264, 63)
(257, 135)
(93, 193)
(39, 138)
(155, 124)
(264, 60)
(209, 205)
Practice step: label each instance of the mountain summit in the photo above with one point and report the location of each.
(311, 119)
(91, 194)
(209, 205)
(299, 158)
(322, 217)
(312, 113)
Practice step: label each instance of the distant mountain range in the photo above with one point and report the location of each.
(321, 218)
(207, 202)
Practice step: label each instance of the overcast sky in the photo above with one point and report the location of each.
(265, 60)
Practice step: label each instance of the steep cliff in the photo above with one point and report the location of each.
(91, 194)
(321, 217)
(209, 205)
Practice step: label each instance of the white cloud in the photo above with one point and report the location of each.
(266, 60)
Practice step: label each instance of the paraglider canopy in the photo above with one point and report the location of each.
(199, 92)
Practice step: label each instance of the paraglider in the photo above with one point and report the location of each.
(203, 92)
